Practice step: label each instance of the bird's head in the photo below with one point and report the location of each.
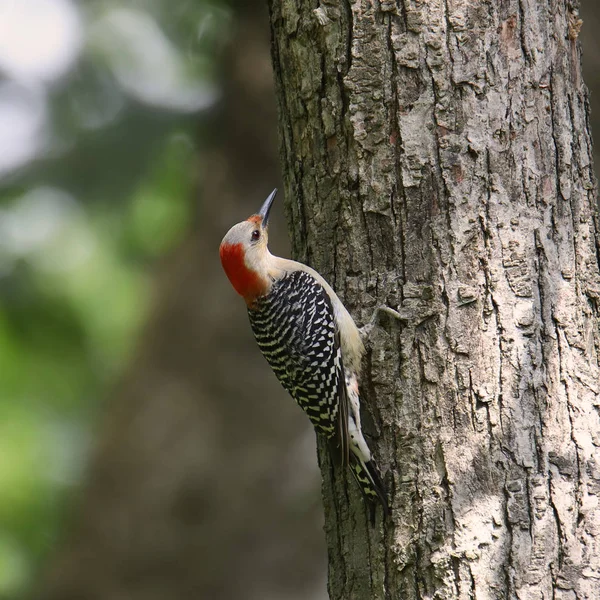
(244, 253)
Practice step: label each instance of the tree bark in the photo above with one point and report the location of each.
(438, 160)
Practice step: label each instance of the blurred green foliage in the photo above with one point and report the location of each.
(108, 189)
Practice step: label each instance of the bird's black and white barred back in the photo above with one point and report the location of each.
(295, 328)
(296, 332)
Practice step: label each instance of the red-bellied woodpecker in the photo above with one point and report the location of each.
(308, 338)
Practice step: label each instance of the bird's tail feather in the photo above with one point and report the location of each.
(370, 484)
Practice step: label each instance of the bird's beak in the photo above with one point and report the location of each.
(265, 209)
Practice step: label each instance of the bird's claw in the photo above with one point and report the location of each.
(365, 330)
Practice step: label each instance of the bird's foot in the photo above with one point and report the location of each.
(365, 330)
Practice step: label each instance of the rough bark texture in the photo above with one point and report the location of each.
(438, 161)
(204, 484)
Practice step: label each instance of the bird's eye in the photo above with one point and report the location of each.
(255, 235)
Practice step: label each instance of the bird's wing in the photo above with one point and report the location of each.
(296, 330)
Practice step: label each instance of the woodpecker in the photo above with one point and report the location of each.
(308, 338)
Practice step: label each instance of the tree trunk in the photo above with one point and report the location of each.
(438, 160)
